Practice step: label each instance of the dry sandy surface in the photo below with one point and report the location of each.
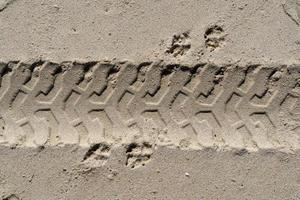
(140, 99)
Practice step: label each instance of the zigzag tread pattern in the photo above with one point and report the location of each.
(203, 106)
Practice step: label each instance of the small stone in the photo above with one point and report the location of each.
(277, 76)
(56, 7)
(110, 177)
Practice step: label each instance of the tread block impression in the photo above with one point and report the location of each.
(202, 106)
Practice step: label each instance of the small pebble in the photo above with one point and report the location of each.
(110, 176)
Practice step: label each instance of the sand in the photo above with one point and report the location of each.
(157, 99)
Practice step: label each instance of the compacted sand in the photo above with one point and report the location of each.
(137, 99)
